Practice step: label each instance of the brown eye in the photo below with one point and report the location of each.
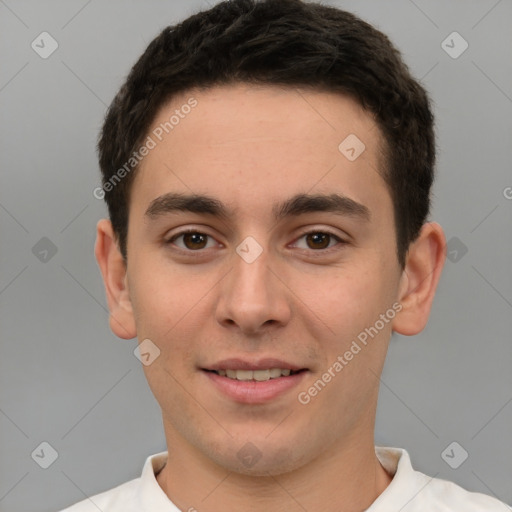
(318, 240)
(194, 240)
(190, 240)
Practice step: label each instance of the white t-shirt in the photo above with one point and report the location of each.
(409, 491)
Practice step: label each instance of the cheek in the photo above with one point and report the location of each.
(170, 306)
(350, 300)
(165, 307)
(162, 296)
(342, 295)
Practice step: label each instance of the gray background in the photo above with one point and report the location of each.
(67, 380)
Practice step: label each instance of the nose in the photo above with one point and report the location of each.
(253, 296)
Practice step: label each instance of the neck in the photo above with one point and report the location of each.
(352, 479)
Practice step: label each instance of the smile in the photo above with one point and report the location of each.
(255, 386)
(256, 375)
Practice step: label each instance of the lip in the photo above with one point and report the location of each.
(251, 391)
(260, 364)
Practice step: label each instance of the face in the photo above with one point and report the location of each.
(287, 264)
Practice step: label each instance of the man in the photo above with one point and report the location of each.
(267, 168)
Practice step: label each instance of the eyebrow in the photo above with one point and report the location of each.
(297, 205)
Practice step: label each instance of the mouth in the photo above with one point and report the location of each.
(254, 382)
(256, 375)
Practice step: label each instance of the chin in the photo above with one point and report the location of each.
(268, 461)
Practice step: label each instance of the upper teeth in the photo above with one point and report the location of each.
(259, 375)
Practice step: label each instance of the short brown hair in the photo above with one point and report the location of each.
(279, 42)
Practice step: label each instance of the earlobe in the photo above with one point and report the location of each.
(425, 260)
(113, 271)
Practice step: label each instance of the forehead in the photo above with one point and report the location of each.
(245, 143)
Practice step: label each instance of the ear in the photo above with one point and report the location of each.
(418, 283)
(113, 270)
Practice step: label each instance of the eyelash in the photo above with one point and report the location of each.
(340, 241)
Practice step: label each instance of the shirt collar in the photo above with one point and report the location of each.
(150, 494)
(396, 461)
(406, 482)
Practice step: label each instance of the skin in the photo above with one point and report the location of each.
(250, 147)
